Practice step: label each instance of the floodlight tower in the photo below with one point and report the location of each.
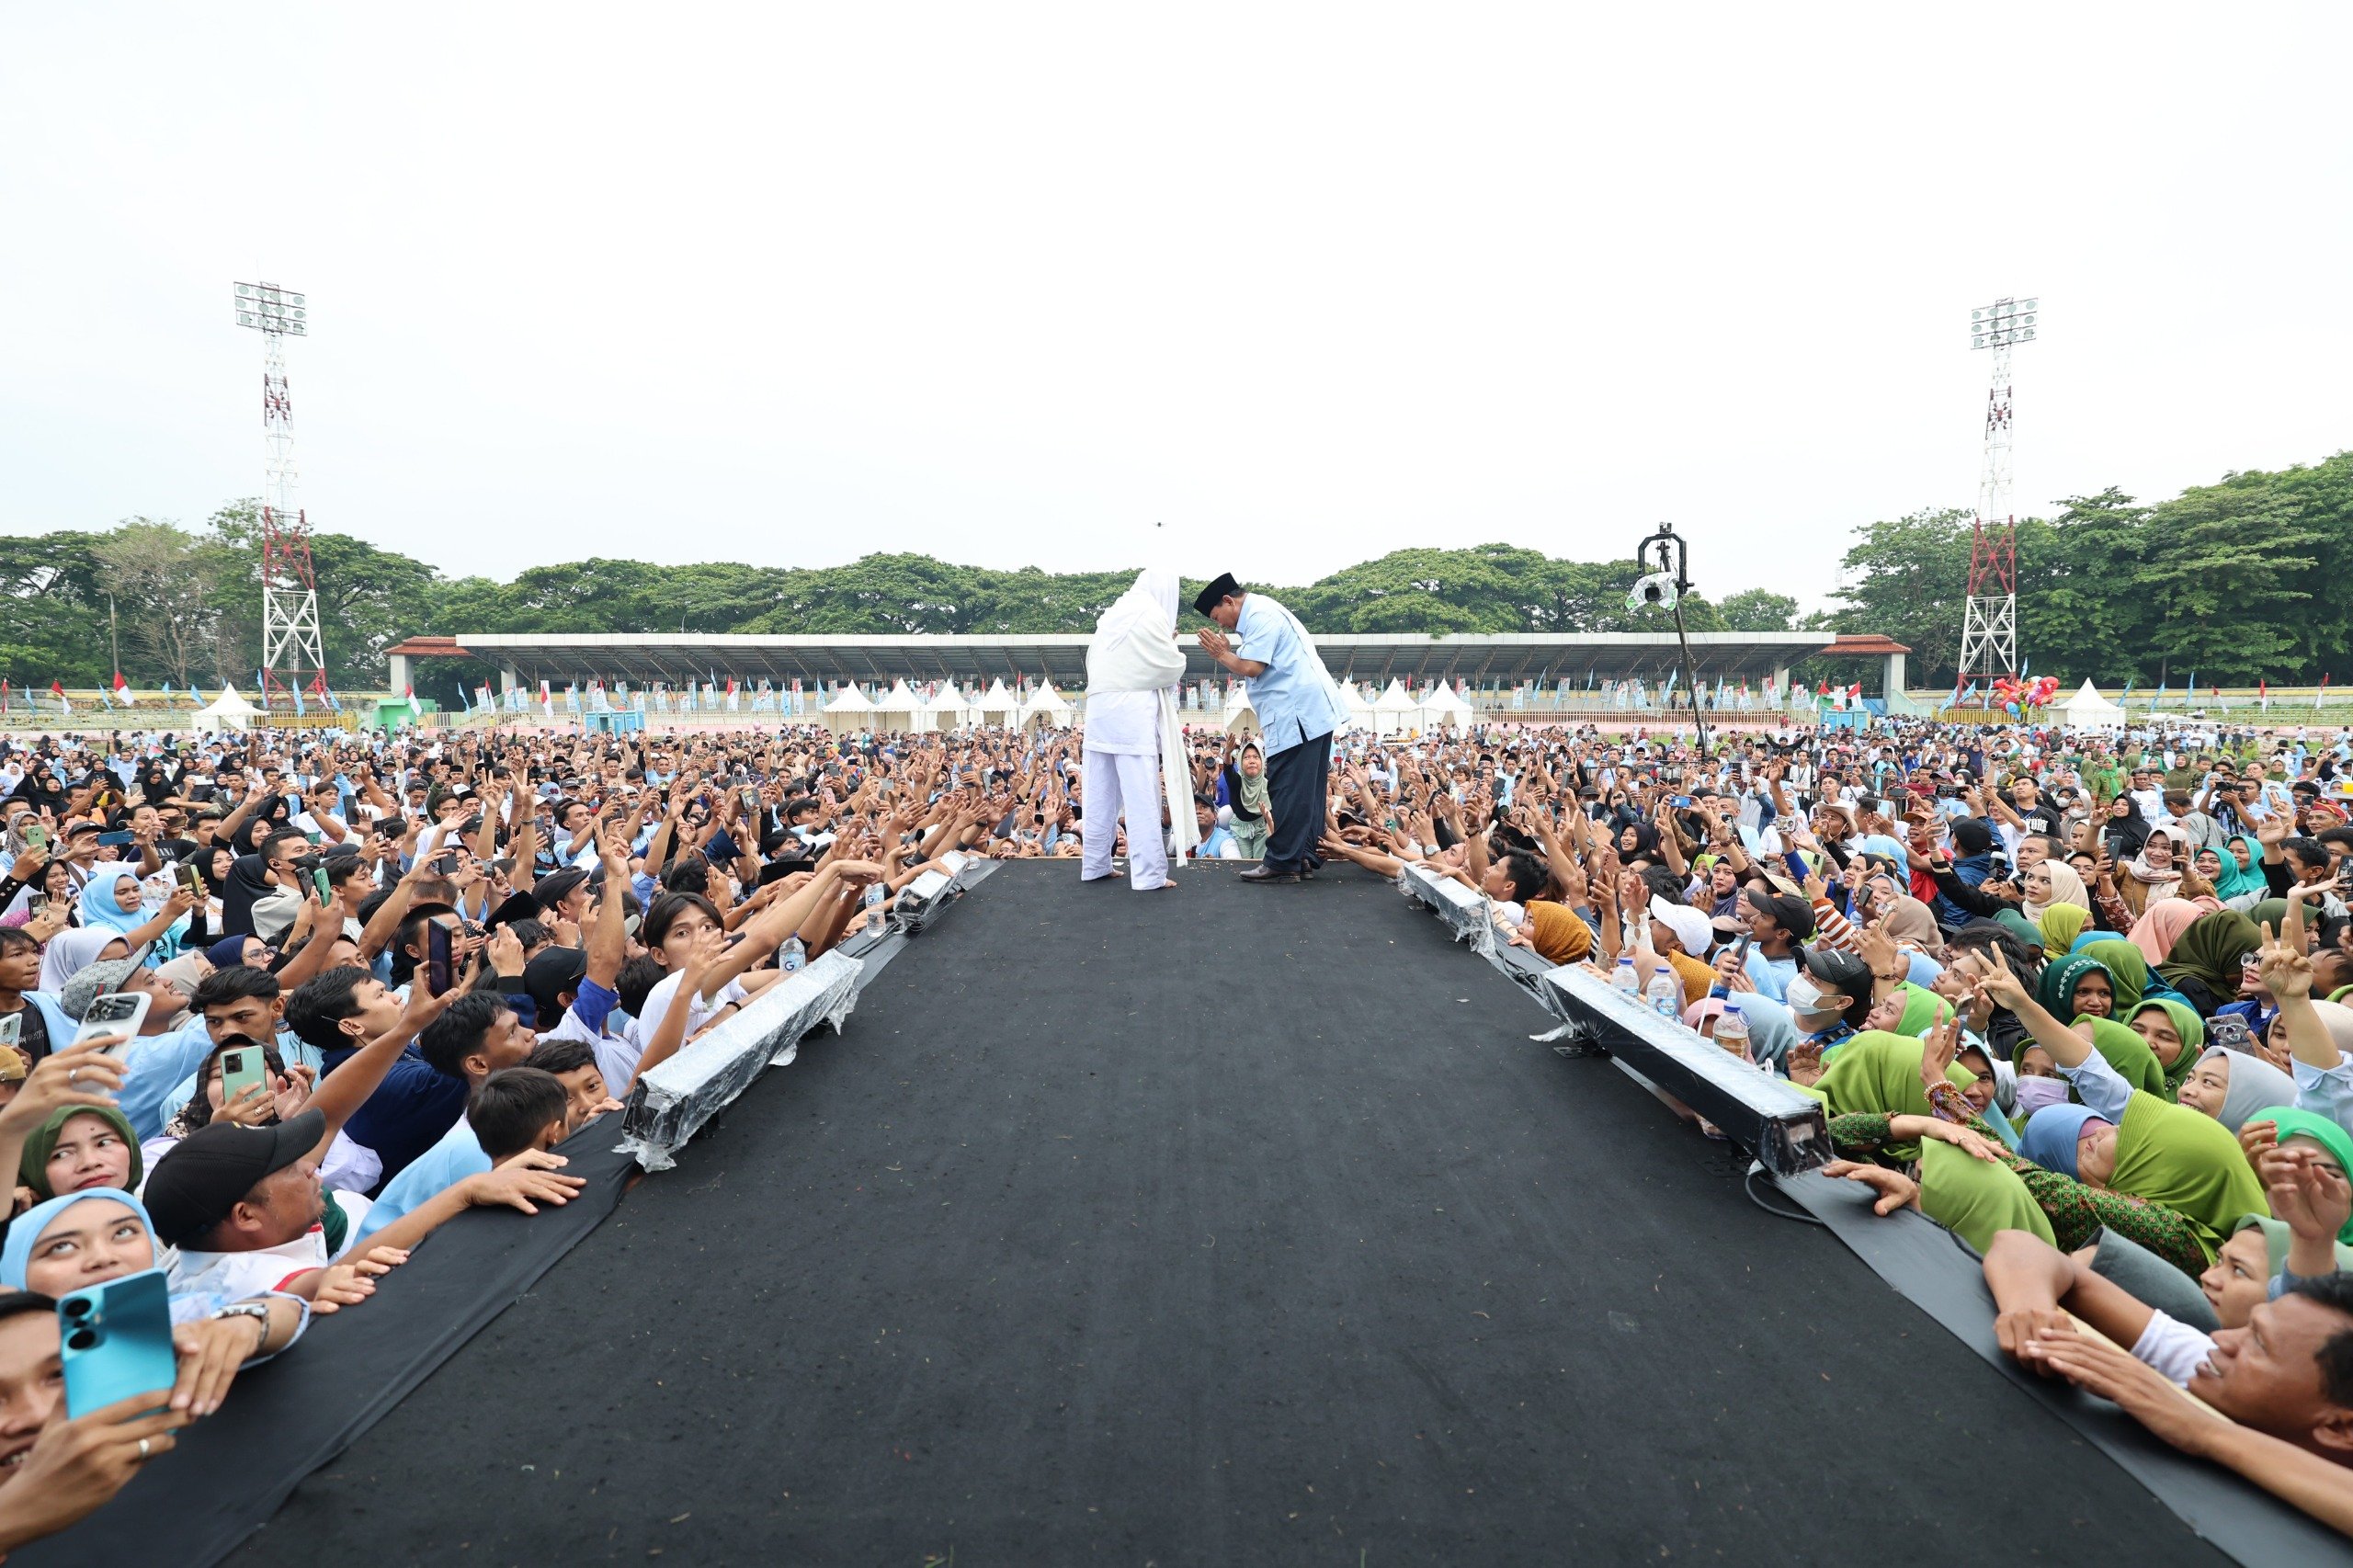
(1989, 622)
(289, 590)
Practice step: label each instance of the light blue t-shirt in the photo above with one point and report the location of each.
(457, 1156)
(1293, 701)
(153, 1068)
(1771, 976)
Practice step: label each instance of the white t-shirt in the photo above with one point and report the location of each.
(2172, 1348)
(233, 1275)
(642, 1028)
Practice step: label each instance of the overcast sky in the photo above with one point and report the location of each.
(787, 284)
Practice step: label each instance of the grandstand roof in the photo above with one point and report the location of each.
(1480, 658)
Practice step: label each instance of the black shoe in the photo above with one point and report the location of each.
(1267, 874)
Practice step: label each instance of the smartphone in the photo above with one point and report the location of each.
(243, 1067)
(36, 836)
(116, 1341)
(446, 865)
(1740, 948)
(112, 840)
(115, 1012)
(1684, 801)
(437, 969)
(35, 903)
(319, 885)
(189, 878)
(751, 804)
(12, 1029)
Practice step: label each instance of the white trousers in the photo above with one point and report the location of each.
(1116, 781)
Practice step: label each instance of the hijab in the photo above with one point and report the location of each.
(2161, 926)
(2050, 1138)
(249, 883)
(2057, 990)
(1250, 794)
(2209, 950)
(1977, 1199)
(2123, 1049)
(70, 952)
(2254, 1085)
(24, 1231)
(2173, 1155)
(2066, 888)
(2019, 925)
(100, 909)
(1923, 1010)
(2277, 1238)
(1910, 922)
(1879, 1072)
(2126, 835)
(2058, 927)
(2128, 972)
(2291, 1122)
(227, 953)
(2337, 1018)
(1560, 936)
(32, 1168)
(2234, 883)
(2189, 1025)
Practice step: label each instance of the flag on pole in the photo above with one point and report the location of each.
(122, 690)
(2263, 693)
(57, 689)
(2189, 692)
(2323, 690)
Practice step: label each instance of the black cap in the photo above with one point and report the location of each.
(1791, 914)
(1222, 586)
(550, 973)
(516, 906)
(556, 886)
(194, 1185)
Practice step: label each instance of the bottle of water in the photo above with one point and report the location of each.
(1732, 1030)
(793, 955)
(1664, 994)
(874, 908)
(1622, 978)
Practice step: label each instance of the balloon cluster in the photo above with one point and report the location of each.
(2012, 696)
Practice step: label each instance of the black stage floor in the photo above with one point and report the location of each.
(1223, 1226)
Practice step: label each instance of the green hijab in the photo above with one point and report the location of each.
(1976, 1200)
(2189, 1163)
(2210, 951)
(1923, 1010)
(2277, 1238)
(2057, 990)
(2187, 1024)
(32, 1170)
(2290, 1122)
(2233, 883)
(2019, 925)
(2128, 971)
(2060, 924)
(2130, 1054)
(1879, 1072)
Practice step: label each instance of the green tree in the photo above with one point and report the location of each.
(1759, 609)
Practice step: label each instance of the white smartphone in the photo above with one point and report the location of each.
(114, 1012)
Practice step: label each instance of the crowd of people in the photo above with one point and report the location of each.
(2077, 998)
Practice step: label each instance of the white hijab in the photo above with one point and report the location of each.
(1135, 650)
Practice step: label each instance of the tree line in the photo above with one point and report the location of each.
(2226, 580)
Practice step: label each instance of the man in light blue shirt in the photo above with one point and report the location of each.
(1298, 708)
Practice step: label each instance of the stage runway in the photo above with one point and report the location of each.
(1225, 1226)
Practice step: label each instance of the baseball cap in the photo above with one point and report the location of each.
(194, 1185)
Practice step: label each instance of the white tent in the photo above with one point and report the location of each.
(1360, 715)
(1395, 712)
(848, 710)
(226, 711)
(2087, 710)
(948, 711)
(900, 712)
(1443, 710)
(1240, 718)
(1045, 706)
(997, 707)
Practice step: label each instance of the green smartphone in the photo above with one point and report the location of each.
(243, 1067)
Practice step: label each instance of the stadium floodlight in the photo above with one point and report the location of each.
(265, 307)
(2001, 324)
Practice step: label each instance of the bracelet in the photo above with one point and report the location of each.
(253, 1310)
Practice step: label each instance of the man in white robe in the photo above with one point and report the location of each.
(1132, 668)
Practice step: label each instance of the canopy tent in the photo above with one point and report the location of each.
(849, 710)
(1395, 712)
(226, 711)
(2087, 710)
(1442, 708)
(1045, 707)
(997, 707)
(948, 711)
(1360, 715)
(1241, 718)
(900, 712)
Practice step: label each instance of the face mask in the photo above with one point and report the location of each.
(1803, 996)
(2035, 1093)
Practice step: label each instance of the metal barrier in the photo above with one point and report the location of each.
(1784, 1128)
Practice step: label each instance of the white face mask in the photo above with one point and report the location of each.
(1803, 996)
(2033, 1094)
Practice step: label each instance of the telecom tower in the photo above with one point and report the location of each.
(289, 590)
(1989, 624)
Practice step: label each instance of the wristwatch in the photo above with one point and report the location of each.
(253, 1310)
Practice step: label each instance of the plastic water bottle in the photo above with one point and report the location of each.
(793, 955)
(1664, 994)
(874, 908)
(1732, 1030)
(1622, 979)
